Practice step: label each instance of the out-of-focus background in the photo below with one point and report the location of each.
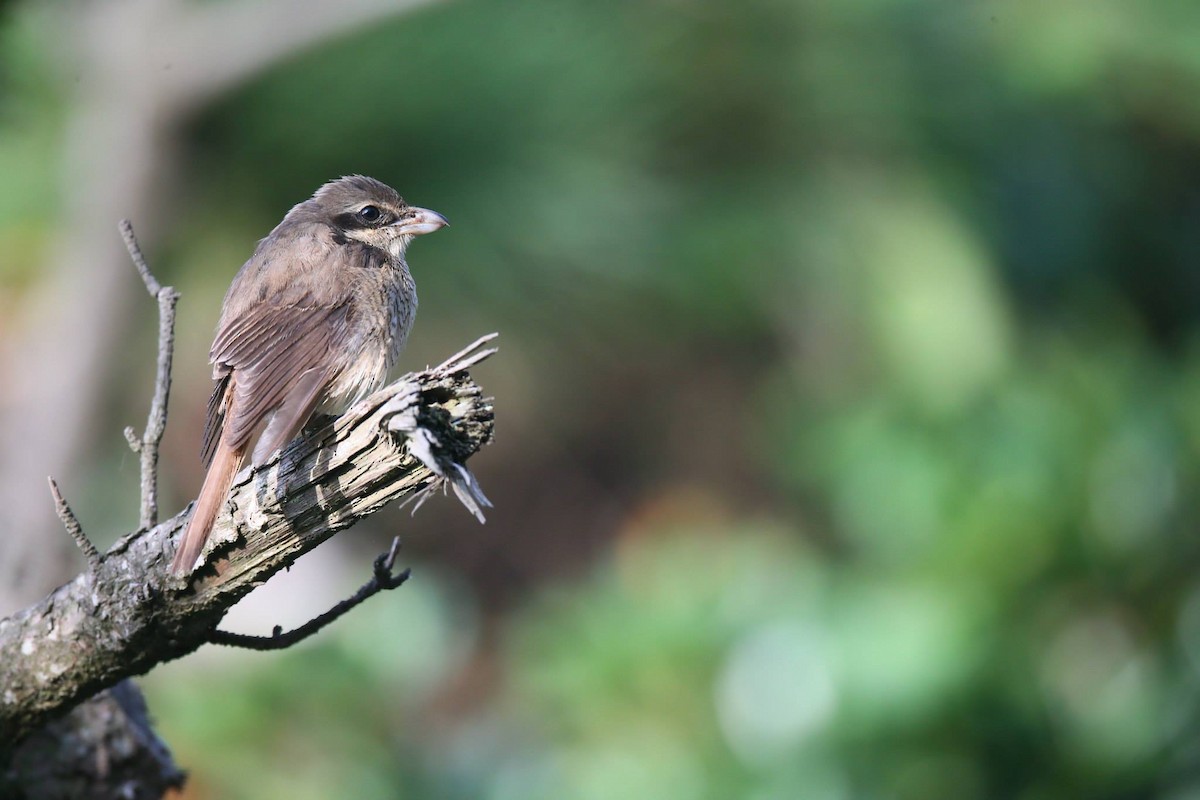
(848, 402)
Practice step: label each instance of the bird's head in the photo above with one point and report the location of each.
(365, 210)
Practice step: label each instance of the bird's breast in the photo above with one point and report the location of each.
(383, 313)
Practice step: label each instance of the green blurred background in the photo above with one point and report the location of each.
(848, 401)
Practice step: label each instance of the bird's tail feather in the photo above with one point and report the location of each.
(225, 465)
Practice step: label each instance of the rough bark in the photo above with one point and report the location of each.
(128, 614)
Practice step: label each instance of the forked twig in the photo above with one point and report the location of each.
(466, 357)
(156, 420)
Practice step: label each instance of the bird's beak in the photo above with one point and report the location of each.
(422, 221)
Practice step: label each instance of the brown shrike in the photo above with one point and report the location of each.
(312, 323)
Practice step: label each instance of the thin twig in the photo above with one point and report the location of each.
(139, 261)
(156, 420)
(71, 523)
(460, 361)
(382, 580)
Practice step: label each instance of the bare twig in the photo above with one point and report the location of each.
(382, 580)
(71, 523)
(139, 261)
(467, 357)
(156, 421)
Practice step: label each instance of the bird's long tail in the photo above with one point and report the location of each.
(225, 465)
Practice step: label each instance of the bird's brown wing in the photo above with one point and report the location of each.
(215, 419)
(279, 356)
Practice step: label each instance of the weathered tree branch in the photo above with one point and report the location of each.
(91, 633)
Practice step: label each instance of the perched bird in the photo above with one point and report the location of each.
(311, 323)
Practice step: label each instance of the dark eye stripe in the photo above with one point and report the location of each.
(354, 220)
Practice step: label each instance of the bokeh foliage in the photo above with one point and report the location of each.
(849, 405)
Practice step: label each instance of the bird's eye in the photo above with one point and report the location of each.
(369, 214)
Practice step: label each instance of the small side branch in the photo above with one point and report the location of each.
(156, 421)
(469, 356)
(71, 523)
(139, 260)
(382, 580)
